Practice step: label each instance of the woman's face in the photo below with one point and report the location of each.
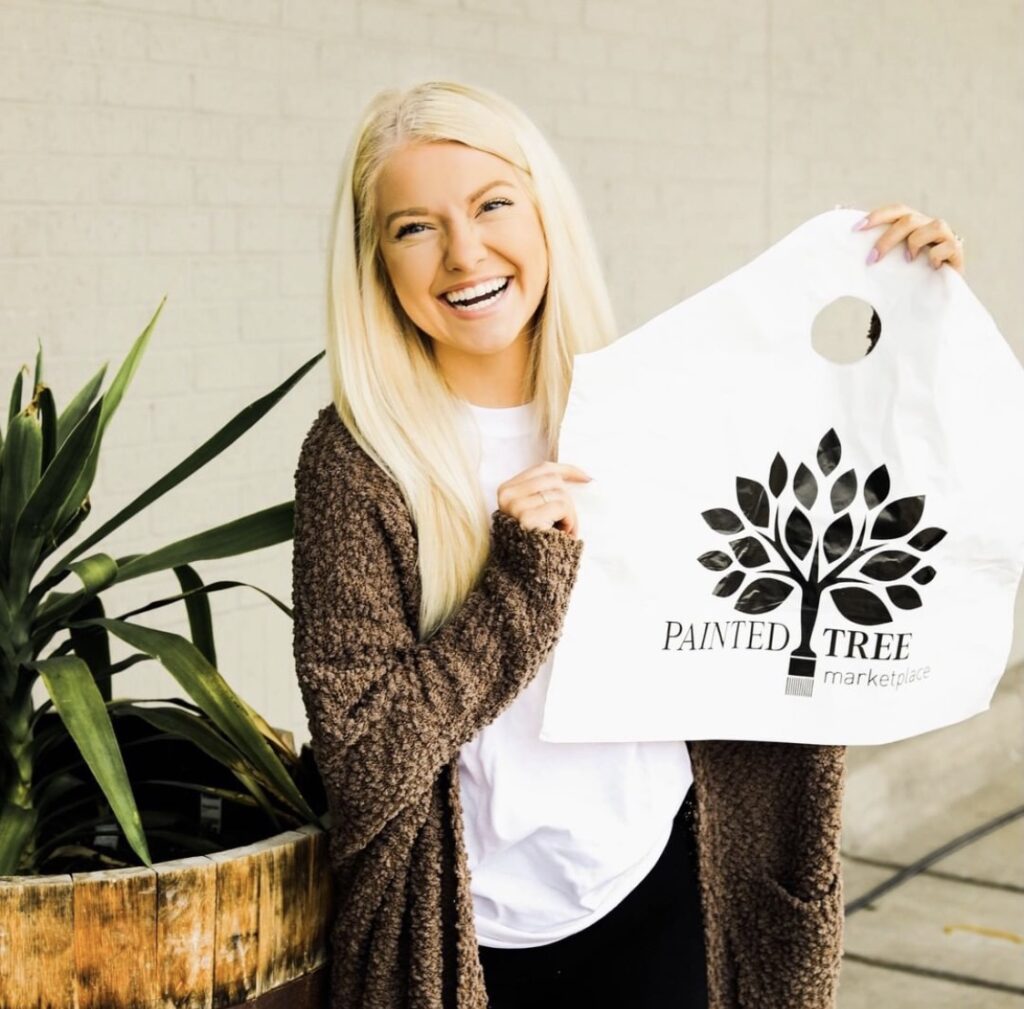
(451, 217)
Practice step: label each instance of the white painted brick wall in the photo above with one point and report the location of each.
(191, 148)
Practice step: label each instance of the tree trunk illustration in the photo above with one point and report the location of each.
(802, 659)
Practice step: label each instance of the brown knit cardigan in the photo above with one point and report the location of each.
(388, 714)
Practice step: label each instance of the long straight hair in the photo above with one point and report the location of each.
(384, 376)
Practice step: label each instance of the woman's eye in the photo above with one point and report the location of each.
(406, 228)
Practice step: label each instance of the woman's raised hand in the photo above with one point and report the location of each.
(539, 498)
(923, 233)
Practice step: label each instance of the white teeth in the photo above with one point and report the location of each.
(477, 291)
(479, 306)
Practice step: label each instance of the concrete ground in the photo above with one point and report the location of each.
(950, 936)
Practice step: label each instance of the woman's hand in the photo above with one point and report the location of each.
(920, 231)
(539, 499)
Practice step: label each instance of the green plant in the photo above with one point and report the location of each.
(47, 466)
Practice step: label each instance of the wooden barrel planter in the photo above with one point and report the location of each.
(245, 925)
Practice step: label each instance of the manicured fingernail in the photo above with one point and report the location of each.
(906, 254)
(872, 256)
(861, 224)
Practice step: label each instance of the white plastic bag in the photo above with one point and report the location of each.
(739, 475)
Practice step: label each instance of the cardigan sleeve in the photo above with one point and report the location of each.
(385, 711)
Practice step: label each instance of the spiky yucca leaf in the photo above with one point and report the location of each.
(50, 498)
(70, 684)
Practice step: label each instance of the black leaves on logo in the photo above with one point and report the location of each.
(805, 487)
(860, 606)
(844, 490)
(749, 552)
(729, 584)
(838, 537)
(889, 565)
(777, 476)
(898, 518)
(722, 520)
(926, 538)
(715, 560)
(753, 501)
(903, 596)
(762, 595)
(799, 534)
(829, 452)
(876, 487)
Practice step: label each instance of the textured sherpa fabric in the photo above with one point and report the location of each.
(388, 714)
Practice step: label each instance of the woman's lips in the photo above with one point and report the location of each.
(479, 313)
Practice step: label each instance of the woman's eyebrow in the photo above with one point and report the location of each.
(410, 211)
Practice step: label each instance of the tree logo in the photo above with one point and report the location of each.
(887, 562)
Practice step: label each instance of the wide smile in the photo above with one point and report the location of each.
(486, 306)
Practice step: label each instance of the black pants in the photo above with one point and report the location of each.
(646, 953)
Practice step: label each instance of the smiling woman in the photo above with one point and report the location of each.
(435, 549)
(469, 269)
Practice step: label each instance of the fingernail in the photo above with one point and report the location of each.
(872, 256)
(906, 254)
(859, 226)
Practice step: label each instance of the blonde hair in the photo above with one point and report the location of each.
(384, 378)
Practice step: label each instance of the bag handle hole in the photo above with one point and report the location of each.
(846, 330)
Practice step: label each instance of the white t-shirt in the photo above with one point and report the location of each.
(557, 834)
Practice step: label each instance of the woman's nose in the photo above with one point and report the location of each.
(464, 247)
